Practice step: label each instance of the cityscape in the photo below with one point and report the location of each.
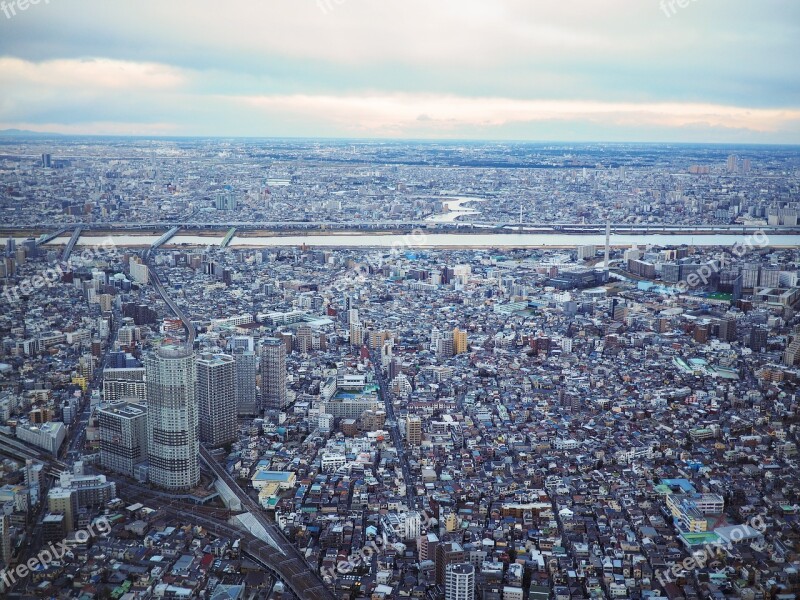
(383, 352)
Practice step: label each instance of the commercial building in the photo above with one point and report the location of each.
(47, 436)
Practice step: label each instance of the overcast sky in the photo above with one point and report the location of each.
(572, 70)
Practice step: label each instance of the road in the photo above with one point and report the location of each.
(79, 428)
(394, 430)
(176, 310)
(291, 566)
(123, 228)
(288, 564)
(291, 569)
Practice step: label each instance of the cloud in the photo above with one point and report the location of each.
(460, 68)
(399, 113)
(95, 73)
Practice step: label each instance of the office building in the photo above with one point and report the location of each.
(123, 436)
(273, 374)
(216, 399)
(172, 419)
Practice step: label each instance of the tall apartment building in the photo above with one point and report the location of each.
(273, 374)
(305, 339)
(216, 399)
(444, 346)
(447, 553)
(61, 501)
(758, 339)
(459, 341)
(172, 420)
(459, 582)
(123, 436)
(124, 383)
(245, 368)
(5, 540)
(414, 430)
(356, 329)
(791, 355)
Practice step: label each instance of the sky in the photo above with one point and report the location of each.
(724, 71)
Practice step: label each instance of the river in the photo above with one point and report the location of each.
(441, 240)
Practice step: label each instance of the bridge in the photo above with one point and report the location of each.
(49, 237)
(71, 244)
(228, 237)
(20, 451)
(164, 238)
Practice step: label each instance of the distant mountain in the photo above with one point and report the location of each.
(27, 133)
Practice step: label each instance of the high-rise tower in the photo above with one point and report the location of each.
(273, 374)
(172, 420)
(216, 399)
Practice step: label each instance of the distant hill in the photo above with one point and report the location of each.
(27, 133)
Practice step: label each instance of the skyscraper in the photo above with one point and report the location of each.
(459, 582)
(273, 371)
(245, 365)
(216, 399)
(172, 420)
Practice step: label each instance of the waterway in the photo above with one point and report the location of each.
(424, 239)
(455, 209)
